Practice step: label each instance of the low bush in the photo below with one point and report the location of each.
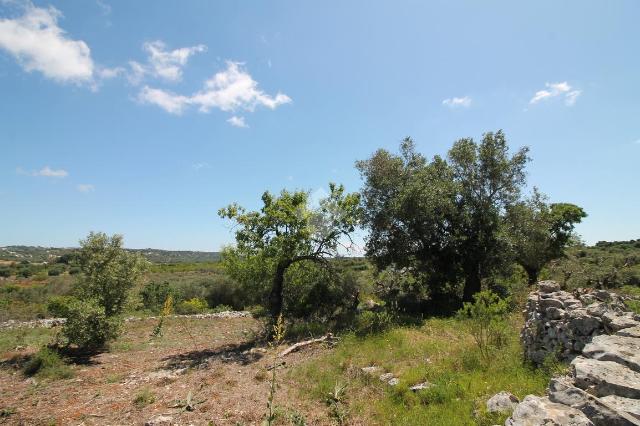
(154, 295)
(370, 322)
(47, 363)
(192, 306)
(87, 325)
(485, 318)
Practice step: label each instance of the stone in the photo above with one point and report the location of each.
(555, 313)
(603, 378)
(159, 421)
(582, 323)
(619, 321)
(621, 349)
(539, 411)
(393, 381)
(371, 370)
(629, 332)
(548, 286)
(502, 402)
(562, 391)
(420, 386)
(628, 405)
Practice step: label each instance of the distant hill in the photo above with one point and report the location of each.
(50, 254)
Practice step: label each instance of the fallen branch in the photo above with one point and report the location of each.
(299, 345)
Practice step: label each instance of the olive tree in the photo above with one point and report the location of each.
(285, 231)
(539, 232)
(109, 271)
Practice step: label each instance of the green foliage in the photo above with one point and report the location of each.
(58, 306)
(442, 218)
(109, 271)
(605, 265)
(154, 294)
(192, 306)
(283, 232)
(5, 271)
(540, 232)
(46, 363)
(55, 270)
(369, 322)
(486, 320)
(88, 326)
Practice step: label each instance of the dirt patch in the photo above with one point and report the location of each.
(200, 371)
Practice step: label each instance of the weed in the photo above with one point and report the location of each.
(46, 363)
(143, 398)
(278, 335)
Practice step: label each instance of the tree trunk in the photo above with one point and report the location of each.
(532, 273)
(472, 284)
(275, 297)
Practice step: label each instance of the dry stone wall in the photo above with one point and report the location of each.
(595, 331)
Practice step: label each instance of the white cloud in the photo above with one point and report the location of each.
(464, 102)
(162, 63)
(236, 121)
(553, 90)
(170, 102)
(230, 90)
(39, 44)
(85, 187)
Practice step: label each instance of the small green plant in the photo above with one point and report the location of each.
(221, 308)
(277, 337)
(192, 306)
(143, 398)
(336, 403)
(47, 363)
(485, 318)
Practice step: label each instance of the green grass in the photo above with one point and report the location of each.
(10, 339)
(47, 364)
(440, 352)
(143, 398)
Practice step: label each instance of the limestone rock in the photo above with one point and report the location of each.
(159, 421)
(502, 402)
(562, 391)
(621, 349)
(420, 386)
(631, 406)
(630, 332)
(603, 378)
(548, 286)
(539, 411)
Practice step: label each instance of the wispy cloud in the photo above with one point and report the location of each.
(198, 166)
(85, 187)
(230, 90)
(236, 121)
(463, 102)
(163, 63)
(46, 171)
(553, 90)
(38, 44)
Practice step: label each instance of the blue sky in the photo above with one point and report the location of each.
(144, 118)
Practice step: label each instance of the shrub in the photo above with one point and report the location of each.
(87, 325)
(5, 271)
(143, 398)
(485, 319)
(154, 295)
(58, 306)
(47, 363)
(222, 308)
(192, 306)
(55, 270)
(369, 322)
